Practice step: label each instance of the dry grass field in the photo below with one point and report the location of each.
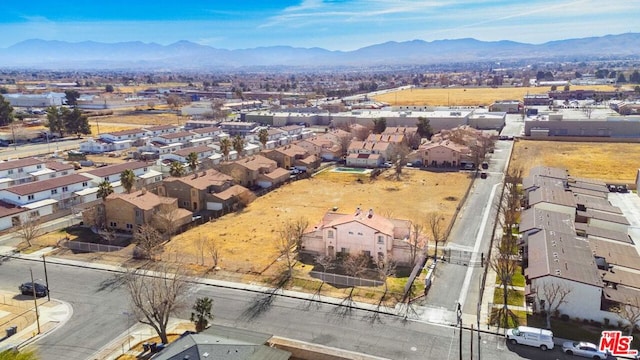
(247, 239)
(467, 96)
(609, 162)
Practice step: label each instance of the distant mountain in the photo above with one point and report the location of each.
(185, 55)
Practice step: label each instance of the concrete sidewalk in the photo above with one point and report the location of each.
(19, 311)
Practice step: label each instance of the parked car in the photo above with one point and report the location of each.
(584, 349)
(27, 289)
(531, 336)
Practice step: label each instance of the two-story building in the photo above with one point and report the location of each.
(442, 154)
(14, 172)
(158, 130)
(126, 212)
(48, 195)
(362, 232)
(193, 191)
(292, 155)
(203, 152)
(254, 171)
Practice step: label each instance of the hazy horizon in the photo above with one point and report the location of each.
(331, 24)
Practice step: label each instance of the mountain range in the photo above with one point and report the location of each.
(185, 55)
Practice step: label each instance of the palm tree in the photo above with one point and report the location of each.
(176, 169)
(202, 313)
(127, 179)
(225, 147)
(263, 137)
(192, 160)
(104, 189)
(238, 144)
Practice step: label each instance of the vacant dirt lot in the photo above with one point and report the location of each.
(247, 239)
(466, 96)
(610, 162)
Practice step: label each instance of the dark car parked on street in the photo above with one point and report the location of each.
(27, 289)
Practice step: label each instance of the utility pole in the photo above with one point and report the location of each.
(459, 314)
(35, 300)
(46, 278)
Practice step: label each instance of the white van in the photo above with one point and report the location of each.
(531, 336)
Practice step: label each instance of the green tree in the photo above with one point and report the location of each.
(55, 119)
(379, 125)
(263, 137)
(635, 77)
(104, 189)
(6, 112)
(75, 122)
(192, 160)
(567, 88)
(225, 147)
(4, 90)
(108, 88)
(238, 144)
(554, 87)
(424, 128)
(202, 313)
(127, 179)
(176, 169)
(72, 97)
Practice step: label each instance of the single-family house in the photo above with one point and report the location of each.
(228, 199)
(125, 212)
(362, 232)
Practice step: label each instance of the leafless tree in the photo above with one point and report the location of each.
(95, 216)
(629, 311)
(157, 295)
(214, 252)
(554, 295)
(166, 219)
(201, 244)
(109, 236)
(344, 141)
(436, 227)
(217, 109)
(386, 268)
(148, 240)
(286, 241)
(29, 229)
(413, 140)
(360, 132)
(509, 205)
(414, 243)
(505, 267)
(356, 265)
(399, 158)
(326, 262)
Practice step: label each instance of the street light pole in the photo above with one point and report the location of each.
(35, 300)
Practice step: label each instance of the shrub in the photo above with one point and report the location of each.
(564, 317)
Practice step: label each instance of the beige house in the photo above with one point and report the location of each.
(443, 154)
(362, 232)
(193, 191)
(125, 212)
(292, 155)
(254, 171)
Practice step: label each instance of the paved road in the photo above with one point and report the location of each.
(99, 303)
(38, 149)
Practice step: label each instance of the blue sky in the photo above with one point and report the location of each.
(330, 24)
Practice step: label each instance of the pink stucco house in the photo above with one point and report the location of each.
(360, 232)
